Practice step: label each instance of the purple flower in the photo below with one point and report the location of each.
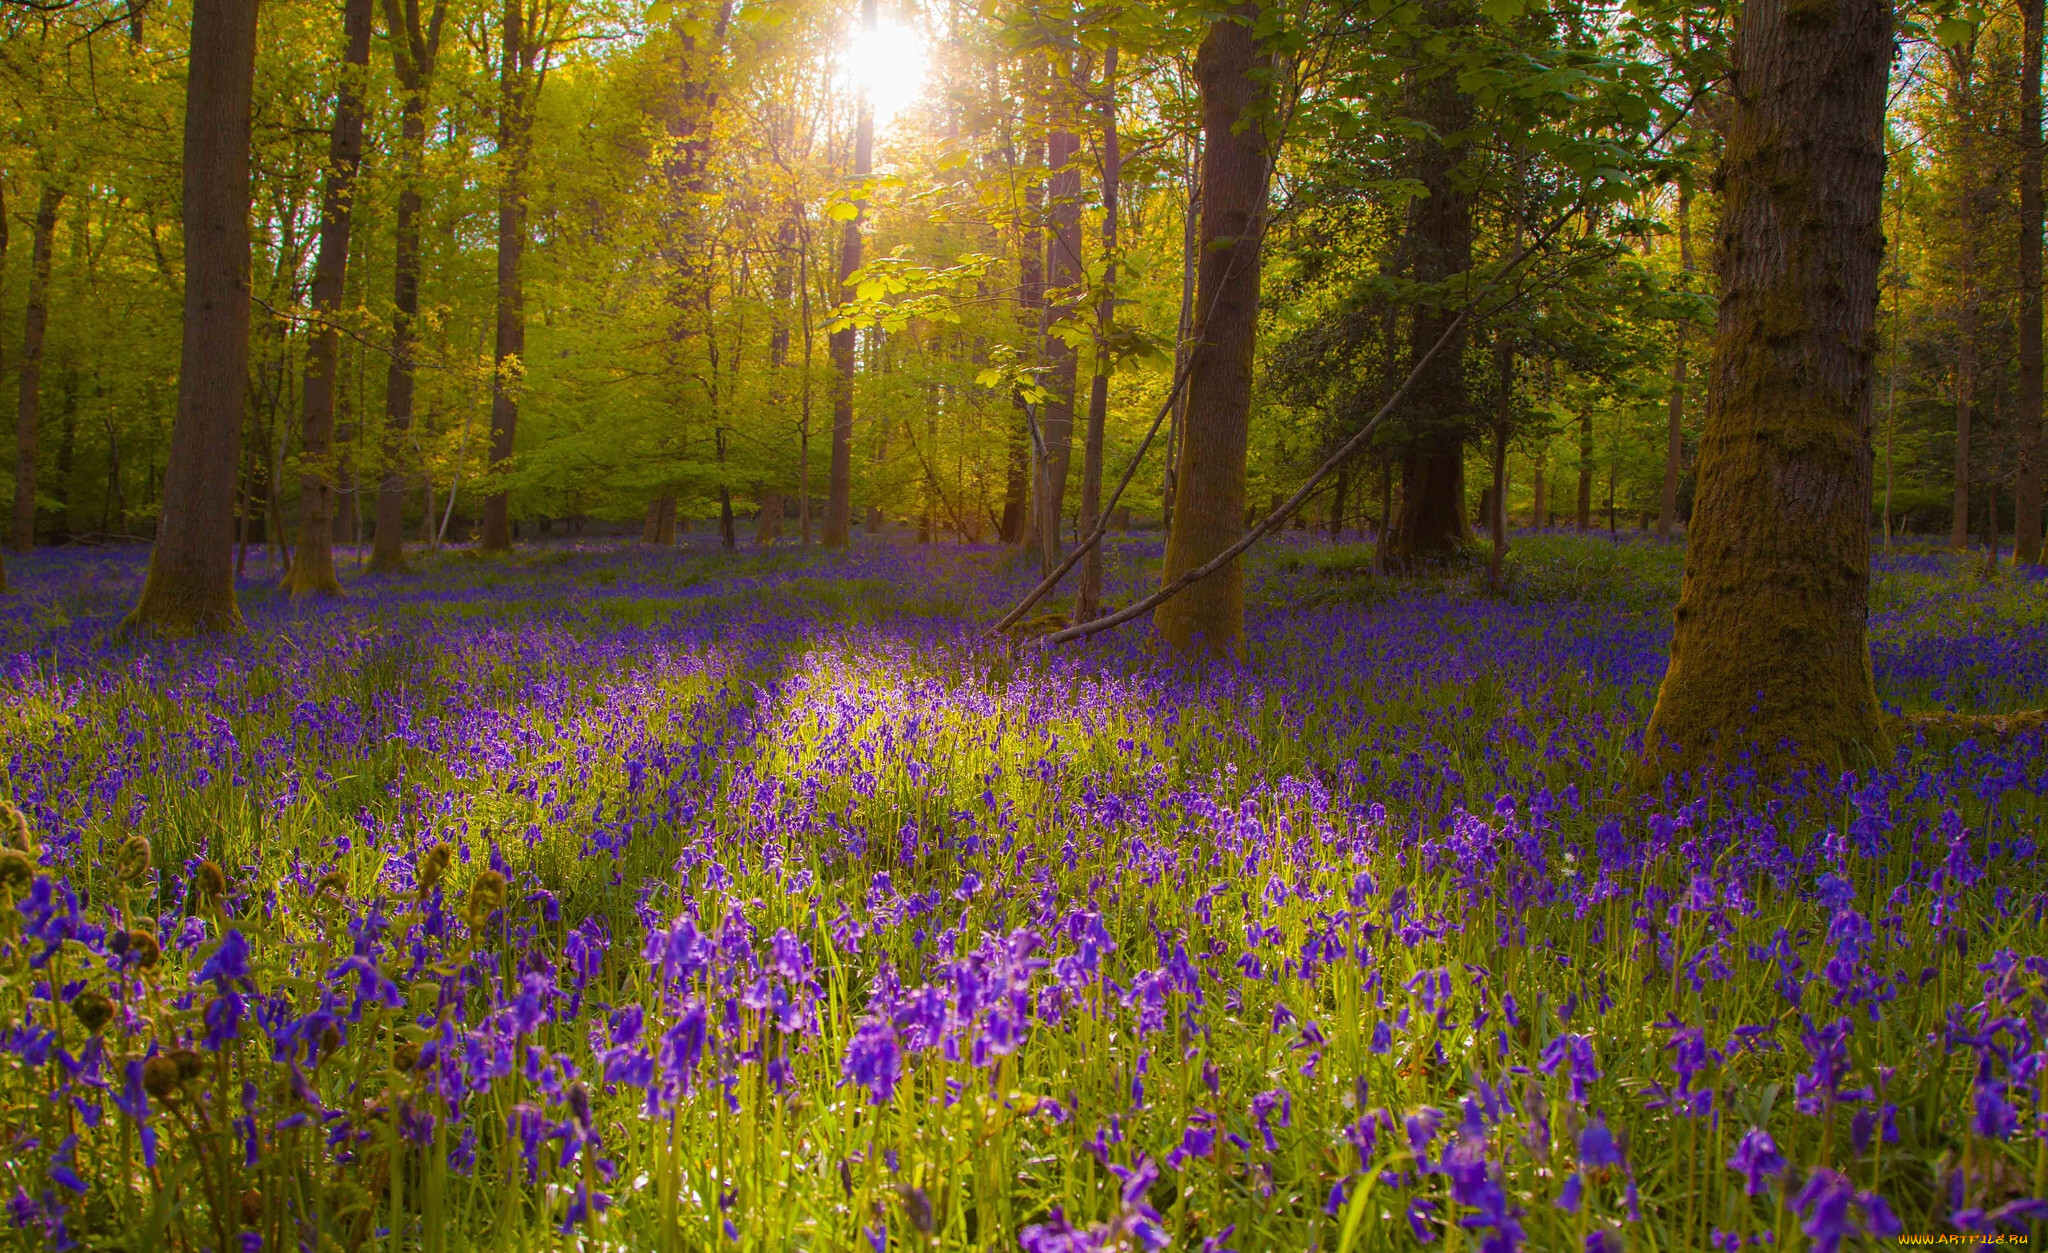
(874, 1060)
(1757, 1158)
(1597, 1149)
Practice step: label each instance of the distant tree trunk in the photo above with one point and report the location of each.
(191, 581)
(1209, 507)
(1585, 518)
(1432, 525)
(2029, 433)
(1769, 655)
(312, 572)
(1021, 483)
(515, 126)
(29, 413)
(1088, 604)
(1062, 273)
(660, 528)
(414, 52)
(768, 526)
(1337, 502)
(1674, 435)
(1539, 509)
(839, 498)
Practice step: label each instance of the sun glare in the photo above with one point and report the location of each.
(889, 64)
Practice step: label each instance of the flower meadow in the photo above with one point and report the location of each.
(607, 898)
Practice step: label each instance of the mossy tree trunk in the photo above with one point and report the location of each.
(1769, 656)
(312, 570)
(191, 581)
(1208, 508)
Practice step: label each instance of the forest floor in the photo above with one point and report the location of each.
(599, 897)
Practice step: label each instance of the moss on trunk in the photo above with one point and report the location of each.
(1769, 659)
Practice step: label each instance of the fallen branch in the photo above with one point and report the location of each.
(1975, 726)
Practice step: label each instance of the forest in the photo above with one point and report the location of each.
(1224, 625)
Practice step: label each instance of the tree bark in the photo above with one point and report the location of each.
(839, 489)
(1674, 435)
(515, 126)
(35, 324)
(1769, 658)
(1539, 508)
(2029, 433)
(1088, 603)
(191, 581)
(414, 51)
(1062, 273)
(312, 570)
(1208, 514)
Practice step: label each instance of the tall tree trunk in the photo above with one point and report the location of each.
(1208, 514)
(1539, 508)
(839, 500)
(414, 51)
(191, 581)
(1432, 526)
(29, 413)
(312, 572)
(1021, 485)
(1769, 655)
(1674, 435)
(1183, 328)
(515, 122)
(2029, 433)
(1088, 604)
(1062, 273)
(1338, 497)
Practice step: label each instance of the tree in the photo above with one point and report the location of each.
(839, 497)
(1430, 525)
(312, 569)
(1208, 512)
(191, 583)
(35, 326)
(526, 40)
(1088, 603)
(1769, 655)
(415, 50)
